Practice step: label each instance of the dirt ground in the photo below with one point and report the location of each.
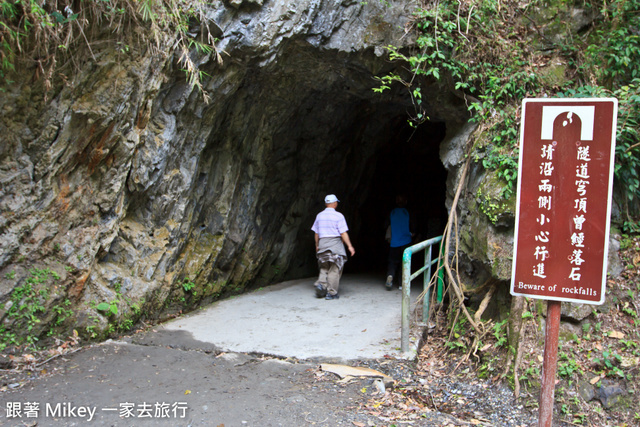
(141, 381)
(125, 384)
(193, 387)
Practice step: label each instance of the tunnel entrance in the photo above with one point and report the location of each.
(307, 125)
(408, 163)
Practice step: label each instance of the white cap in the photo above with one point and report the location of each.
(331, 198)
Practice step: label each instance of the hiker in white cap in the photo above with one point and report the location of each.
(330, 228)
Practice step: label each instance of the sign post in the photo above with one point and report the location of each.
(565, 177)
(549, 364)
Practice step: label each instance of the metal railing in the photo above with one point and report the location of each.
(407, 277)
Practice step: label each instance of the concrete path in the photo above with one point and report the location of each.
(287, 320)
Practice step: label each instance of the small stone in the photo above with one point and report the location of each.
(609, 395)
(576, 312)
(586, 391)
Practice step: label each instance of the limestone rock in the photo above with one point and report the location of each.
(576, 312)
(156, 201)
(609, 394)
(586, 390)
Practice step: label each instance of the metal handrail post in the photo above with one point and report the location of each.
(427, 279)
(406, 298)
(406, 285)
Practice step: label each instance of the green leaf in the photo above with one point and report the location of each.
(103, 306)
(58, 16)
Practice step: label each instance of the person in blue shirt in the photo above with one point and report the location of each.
(400, 236)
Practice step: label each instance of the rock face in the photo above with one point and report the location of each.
(124, 195)
(131, 197)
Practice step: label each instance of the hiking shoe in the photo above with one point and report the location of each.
(329, 296)
(320, 291)
(389, 283)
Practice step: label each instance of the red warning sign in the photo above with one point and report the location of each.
(565, 177)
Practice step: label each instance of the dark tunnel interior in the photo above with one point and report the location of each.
(409, 164)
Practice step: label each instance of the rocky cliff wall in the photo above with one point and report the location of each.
(125, 195)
